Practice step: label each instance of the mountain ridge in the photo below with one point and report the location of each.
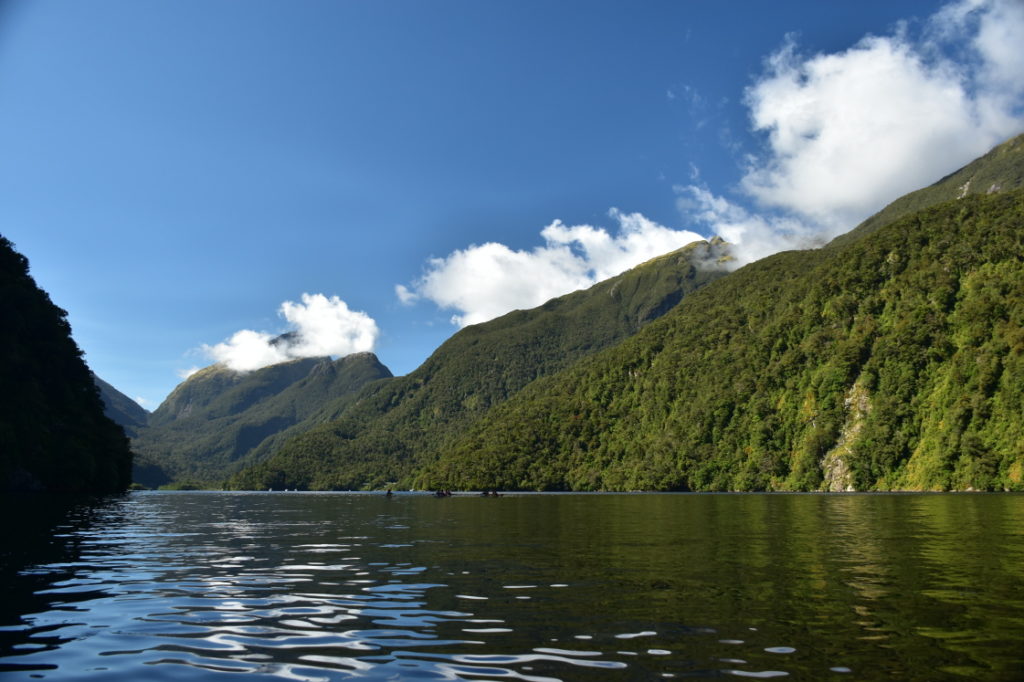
(121, 409)
(392, 425)
(329, 456)
(54, 435)
(999, 169)
(215, 421)
(900, 368)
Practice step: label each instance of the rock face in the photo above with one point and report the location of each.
(54, 435)
(835, 466)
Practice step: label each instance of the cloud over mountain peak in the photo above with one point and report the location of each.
(321, 326)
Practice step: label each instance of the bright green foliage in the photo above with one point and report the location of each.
(219, 420)
(896, 359)
(866, 364)
(53, 433)
(396, 426)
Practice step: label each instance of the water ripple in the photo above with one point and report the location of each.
(330, 587)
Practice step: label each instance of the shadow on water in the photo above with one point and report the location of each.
(40, 544)
(537, 587)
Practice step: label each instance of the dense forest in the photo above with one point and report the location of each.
(892, 363)
(383, 435)
(886, 360)
(54, 435)
(219, 420)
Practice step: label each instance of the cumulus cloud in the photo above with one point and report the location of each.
(751, 236)
(851, 131)
(320, 326)
(995, 26)
(844, 134)
(848, 132)
(484, 281)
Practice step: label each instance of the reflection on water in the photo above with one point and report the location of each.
(309, 586)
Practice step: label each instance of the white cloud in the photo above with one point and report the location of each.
(247, 350)
(751, 236)
(186, 373)
(326, 326)
(845, 134)
(321, 326)
(999, 42)
(484, 281)
(405, 295)
(851, 131)
(996, 29)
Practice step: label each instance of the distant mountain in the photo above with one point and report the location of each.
(397, 426)
(53, 433)
(121, 409)
(893, 359)
(214, 422)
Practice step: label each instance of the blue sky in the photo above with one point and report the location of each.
(190, 178)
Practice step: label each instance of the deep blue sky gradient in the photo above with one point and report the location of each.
(175, 170)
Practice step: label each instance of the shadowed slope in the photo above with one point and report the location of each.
(53, 433)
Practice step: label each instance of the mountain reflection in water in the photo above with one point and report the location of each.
(328, 586)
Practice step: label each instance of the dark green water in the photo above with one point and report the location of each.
(304, 586)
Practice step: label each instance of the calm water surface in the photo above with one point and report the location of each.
(306, 586)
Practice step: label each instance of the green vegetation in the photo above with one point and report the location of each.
(893, 362)
(1000, 170)
(219, 420)
(397, 425)
(889, 359)
(53, 433)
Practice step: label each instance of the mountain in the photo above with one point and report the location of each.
(215, 422)
(121, 409)
(893, 359)
(1001, 169)
(886, 360)
(53, 433)
(396, 426)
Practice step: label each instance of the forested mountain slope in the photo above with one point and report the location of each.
(53, 433)
(448, 424)
(396, 426)
(214, 422)
(894, 361)
(1000, 170)
(121, 409)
